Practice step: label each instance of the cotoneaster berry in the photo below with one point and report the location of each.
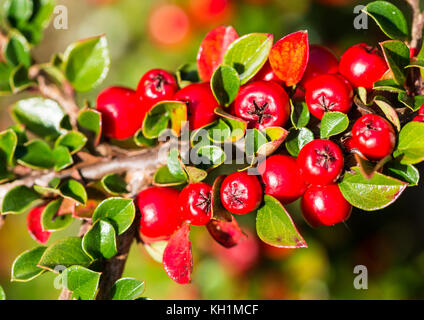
(34, 225)
(419, 118)
(362, 65)
(156, 85)
(159, 216)
(320, 162)
(325, 206)
(122, 112)
(267, 74)
(241, 193)
(281, 176)
(195, 203)
(328, 92)
(374, 136)
(201, 104)
(321, 61)
(263, 104)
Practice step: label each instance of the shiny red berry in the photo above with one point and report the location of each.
(122, 112)
(320, 162)
(419, 118)
(159, 216)
(373, 136)
(328, 92)
(281, 177)
(157, 85)
(421, 110)
(325, 206)
(362, 65)
(195, 203)
(241, 193)
(321, 61)
(263, 104)
(201, 104)
(267, 74)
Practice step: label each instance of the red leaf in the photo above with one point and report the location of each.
(289, 57)
(34, 225)
(212, 50)
(228, 234)
(177, 257)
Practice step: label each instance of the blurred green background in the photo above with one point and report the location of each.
(145, 34)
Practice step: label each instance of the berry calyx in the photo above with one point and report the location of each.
(373, 136)
(201, 104)
(362, 65)
(325, 206)
(241, 193)
(156, 85)
(158, 216)
(328, 92)
(122, 112)
(263, 104)
(195, 203)
(321, 61)
(320, 162)
(281, 177)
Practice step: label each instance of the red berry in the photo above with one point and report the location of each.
(362, 65)
(328, 92)
(264, 104)
(157, 85)
(195, 203)
(421, 110)
(325, 206)
(241, 193)
(267, 74)
(321, 61)
(201, 104)
(159, 217)
(373, 136)
(122, 113)
(320, 162)
(419, 118)
(34, 225)
(281, 176)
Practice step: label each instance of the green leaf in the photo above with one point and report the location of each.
(5, 75)
(127, 289)
(333, 123)
(275, 137)
(414, 103)
(19, 79)
(187, 74)
(175, 165)
(8, 143)
(35, 154)
(82, 282)
(25, 267)
(371, 194)
(300, 114)
(17, 50)
(297, 139)
(2, 294)
(141, 141)
(86, 63)
(248, 54)
(388, 85)
(114, 184)
(253, 141)
(62, 158)
(100, 241)
(40, 116)
(237, 126)
(389, 18)
(90, 121)
(219, 132)
(163, 177)
(18, 10)
(397, 57)
(118, 211)
(404, 172)
(225, 84)
(50, 221)
(195, 175)
(388, 111)
(275, 226)
(210, 157)
(18, 200)
(73, 140)
(157, 119)
(65, 252)
(411, 143)
(73, 190)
